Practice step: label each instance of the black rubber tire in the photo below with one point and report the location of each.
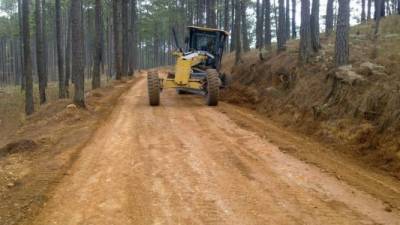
(181, 92)
(213, 84)
(153, 88)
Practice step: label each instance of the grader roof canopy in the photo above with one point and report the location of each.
(208, 29)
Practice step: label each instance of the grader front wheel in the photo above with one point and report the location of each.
(153, 88)
(213, 84)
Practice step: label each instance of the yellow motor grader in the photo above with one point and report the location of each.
(196, 69)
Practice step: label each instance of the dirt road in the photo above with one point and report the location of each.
(185, 163)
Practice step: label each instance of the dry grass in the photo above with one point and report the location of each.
(365, 117)
(12, 105)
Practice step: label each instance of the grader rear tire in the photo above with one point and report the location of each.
(153, 88)
(213, 84)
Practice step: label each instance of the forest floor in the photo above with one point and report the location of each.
(186, 163)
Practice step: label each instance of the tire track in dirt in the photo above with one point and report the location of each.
(185, 163)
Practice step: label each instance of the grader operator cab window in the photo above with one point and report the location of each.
(204, 42)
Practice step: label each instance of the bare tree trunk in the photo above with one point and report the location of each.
(294, 33)
(21, 47)
(117, 43)
(45, 44)
(267, 36)
(342, 33)
(211, 15)
(61, 81)
(238, 46)
(29, 107)
(226, 19)
(378, 6)
(200, 12)
(40, 55)
(134, 30)
(246, 44)
(96, 81)
(259, 24)
(305, 32)
(233, 29)
(315, 26)
(125, 38)
(329, 18)
(281, 33)
(287, 16)
(68, 53)
(363, 19)
(77, 52)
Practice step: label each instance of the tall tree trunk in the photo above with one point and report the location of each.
(246, 44)
(134, 31)
(259, 24)
(40, 55)
(29, 107)
(233, 29)
(238, 46)
(45, 43)
(281, 36)
(96, 81)
(294, 33)
(287, 16)
(369, 9)
(77, 52)
(117, 42)
(68, 52)
(125, 37)
(315, 26)
(226, 19)
(342, 33)
(211, 14)
(21, 41)
(267, 36)
(60, 56)
(305, 32)
(363, 19)
(200, 12)
(378, 6)
(329, 18)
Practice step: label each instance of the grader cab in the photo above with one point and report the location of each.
(196, 69)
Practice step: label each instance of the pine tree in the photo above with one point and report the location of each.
(305, 32)
(287, 23)
(60, 54)
(40, 54)
(294, 33)
(363, 19)
(29, 107)
(267, 36)
(315, 43)
(259, 24)
(342, 33)
(238, 47)
(329, 18)
(96, 81)
(77, 52)
(211, 16)
(281, 36)
(117, 43)
(125, 37)
(246, 42)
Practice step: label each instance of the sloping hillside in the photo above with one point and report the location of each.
(356, 107)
